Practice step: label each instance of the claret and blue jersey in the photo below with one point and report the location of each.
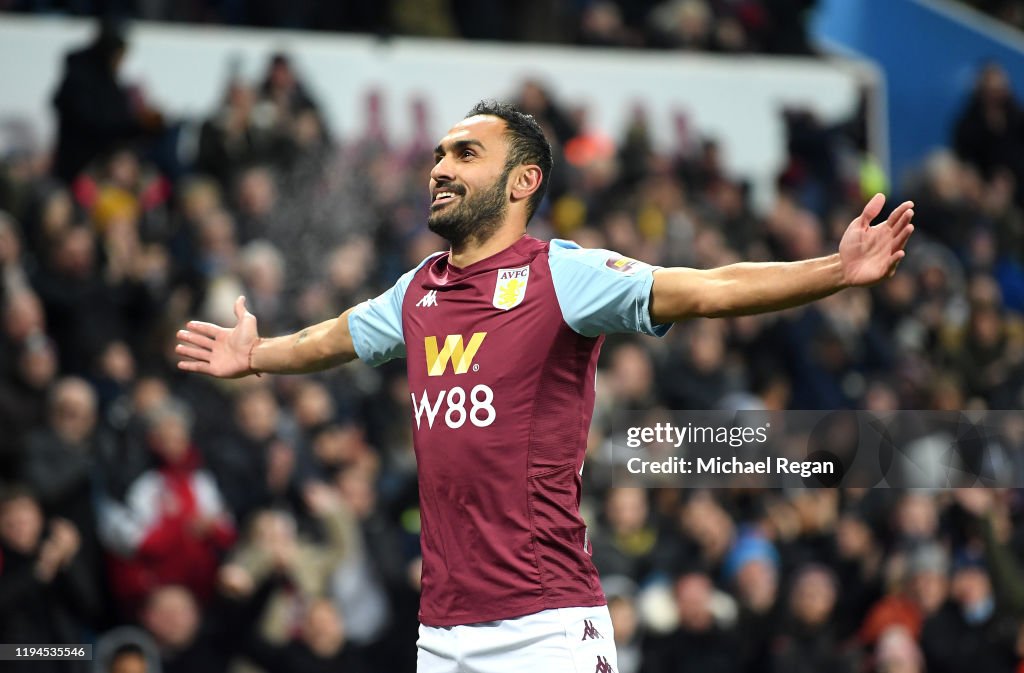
(501, 357)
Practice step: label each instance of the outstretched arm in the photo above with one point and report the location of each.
(866, 255)
(239, 351)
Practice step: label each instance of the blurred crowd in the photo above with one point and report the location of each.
(763, 26)
(1007, 11)
(271, 524)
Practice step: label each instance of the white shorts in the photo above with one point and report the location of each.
(560, 640)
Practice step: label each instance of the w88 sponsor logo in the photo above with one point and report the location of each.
(476, 407)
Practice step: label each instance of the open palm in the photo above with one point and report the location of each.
(219, 351)
(869, 254)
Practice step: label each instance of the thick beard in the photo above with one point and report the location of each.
(475, 217)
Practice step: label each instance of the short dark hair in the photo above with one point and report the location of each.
(130, 648)
(527, 144)
(15, 491)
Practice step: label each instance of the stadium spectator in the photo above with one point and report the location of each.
(172, 526)
(626, 621)
(602, 25)
(258, 463)
(968, 632)
(13, 277)
(262, 273)
(752, 569)
(990, 132)
(29, 361)
(628, 545)
(126, 649)
(95, 111)
(318, 647)
(188, 640)
(59, 460)
(372, 587)
(701, 377)
(631, 375)
(45, 595)
(898, 652)
(23, 319)
(990, 353)
(807, 640)
(857, 558)
(992, 523)
(919, 588)
(257, 197)
(85, 307)
(48, 215)
(60, 465)
(129, 658)
(127, 456)
(235, 137)
(700, 644)
(284, 91)
(683, 24)
(707, 534)
(302, 567)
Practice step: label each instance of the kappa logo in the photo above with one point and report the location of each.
(461, 356)
(510, 287)
(429, 299)
(603, 666)
(590, 631)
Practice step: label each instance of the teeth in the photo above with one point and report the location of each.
(443, 195)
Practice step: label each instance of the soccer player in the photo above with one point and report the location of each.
(501, 336)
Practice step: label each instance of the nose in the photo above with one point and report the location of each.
(442, 170)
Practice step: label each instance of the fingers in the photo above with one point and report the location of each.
(196, 344)
(901, 238)
(895, 260)
(900, 229)
(872, 209)
(194, 352)
(240, 308)
(194, 366)
(204, 328)
(196, 339)
(899, 217)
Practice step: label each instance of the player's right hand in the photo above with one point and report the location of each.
(219, 351)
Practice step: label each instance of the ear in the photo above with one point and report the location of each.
(525, 180)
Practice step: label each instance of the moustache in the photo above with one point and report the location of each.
(452, 187)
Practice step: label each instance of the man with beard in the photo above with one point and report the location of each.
(501, 335)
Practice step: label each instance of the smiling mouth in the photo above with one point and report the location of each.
(442, 198)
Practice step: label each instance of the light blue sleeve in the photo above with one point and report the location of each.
(376, 324)
(602, 292)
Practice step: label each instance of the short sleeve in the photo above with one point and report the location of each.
(602, 292)
(376, 324)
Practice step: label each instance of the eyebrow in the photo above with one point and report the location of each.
(459, 145)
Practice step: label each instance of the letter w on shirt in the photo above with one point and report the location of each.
(461, 357)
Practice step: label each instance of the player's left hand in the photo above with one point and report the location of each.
(870, 254)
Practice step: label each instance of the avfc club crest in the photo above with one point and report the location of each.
(510, 288)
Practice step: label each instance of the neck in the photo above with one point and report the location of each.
(473, 251)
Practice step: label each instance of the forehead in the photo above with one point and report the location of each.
(488, 130)
(19, 505)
